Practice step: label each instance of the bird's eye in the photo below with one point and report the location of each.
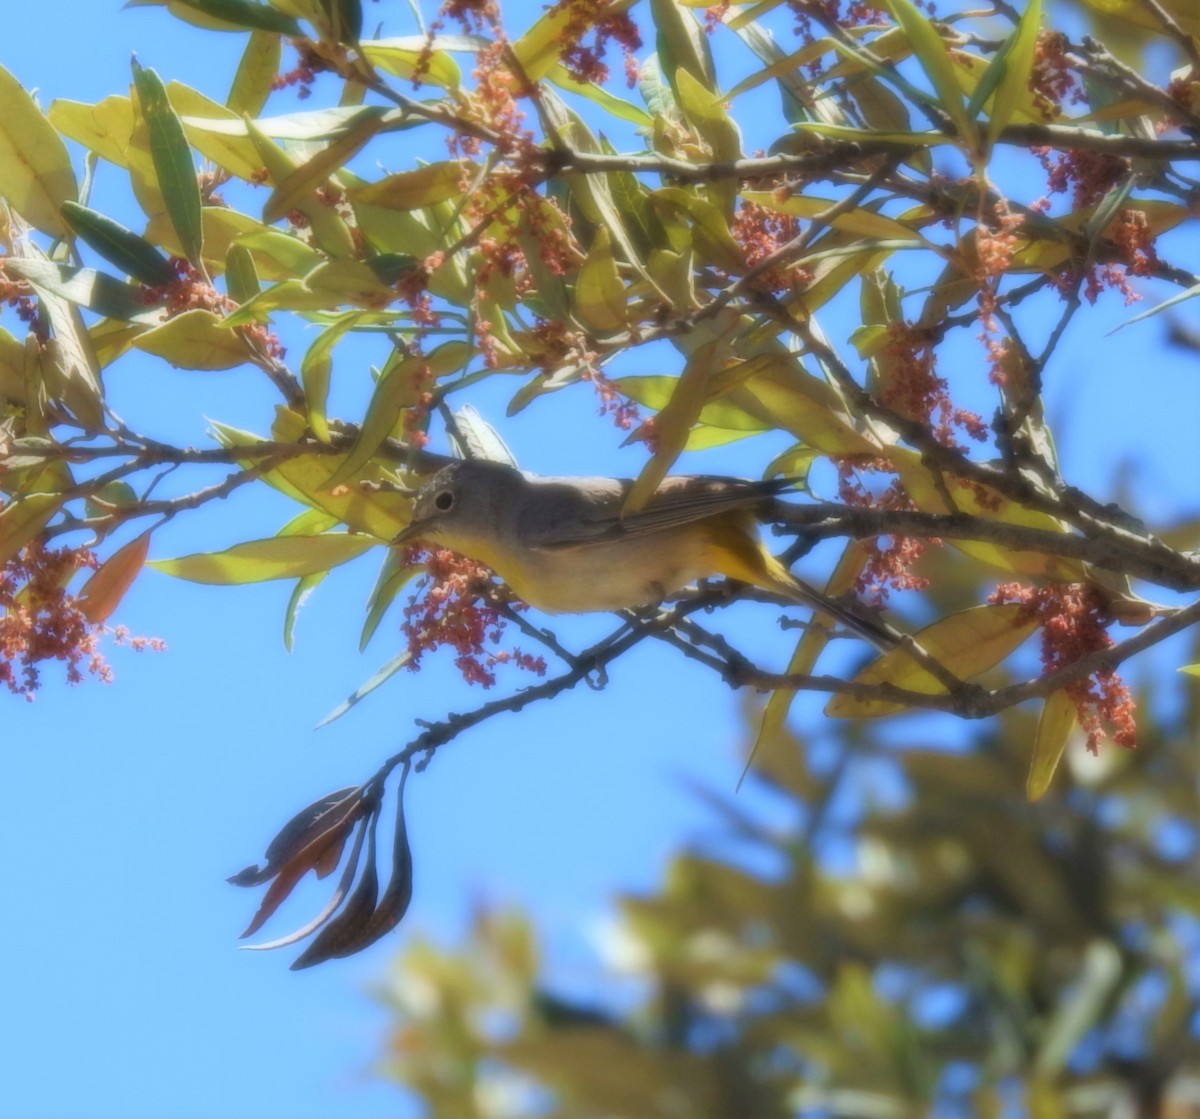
(444, 501)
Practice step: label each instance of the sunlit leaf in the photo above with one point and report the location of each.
(195, 340)
(1058, 719)
(36, 176)
(256, 71)
(255, 561)
(966, 644)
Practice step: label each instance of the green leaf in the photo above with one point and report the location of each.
(708, 117)
(1191, 669)
(256, 71)
(305, 478)
(934, 57)
(709, 229)
(381, 677)
(277, 557)
(1182, 297)
(329, 230)
(1057, 721)
(241, 276)
(86, 287)
(195, 340)
(682, 45)
(609, 102)
(36, 176)
(12, 368)
(866, 135)
(394, 575)
(289, 255)
(675, 420)
(118, 245)
(236, 15)
(300, 594)
(398, 388)
(173, 164)
(348, 19)
(117, 493)
(860, 222)
(1017, 58)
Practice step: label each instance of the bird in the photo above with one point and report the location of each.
(565, 545)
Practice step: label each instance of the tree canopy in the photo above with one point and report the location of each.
(953, 173)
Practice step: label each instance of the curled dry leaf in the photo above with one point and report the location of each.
(359, 926)
(305, 843)
(314, 840)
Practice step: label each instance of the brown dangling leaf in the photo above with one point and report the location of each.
(327, 812)
(335, 900)
(314, 839)
(357, 934)
(342, 935)
(303, 845)
(396, 897)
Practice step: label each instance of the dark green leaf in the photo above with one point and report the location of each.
(86, 287)
(118, 245)
(172, 157)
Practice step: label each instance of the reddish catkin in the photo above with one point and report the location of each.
(40, 621)
(1074, 623)
(190, 292)
(915, 391)
(890, 559)
(449, 609)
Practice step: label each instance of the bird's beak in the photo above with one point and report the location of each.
(407, 535)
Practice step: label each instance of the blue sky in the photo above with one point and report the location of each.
(128, 805)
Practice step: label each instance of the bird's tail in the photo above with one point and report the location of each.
(739, 553)
(876, 631)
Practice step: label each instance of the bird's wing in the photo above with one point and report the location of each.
(569, 519)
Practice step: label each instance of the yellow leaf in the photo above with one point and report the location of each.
(1057, 720)
(234, 153)
(403, 60)
(195, 340)
(920, 484)
(599, 292)
(966, 644)
(849, 566)
(410, 190)
(288, 557)
(105, 128)
(21, 520)
(36, 176)
(860, 222)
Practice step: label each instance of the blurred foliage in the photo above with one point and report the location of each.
(918, 939)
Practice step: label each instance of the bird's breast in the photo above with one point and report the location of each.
(633, 571)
